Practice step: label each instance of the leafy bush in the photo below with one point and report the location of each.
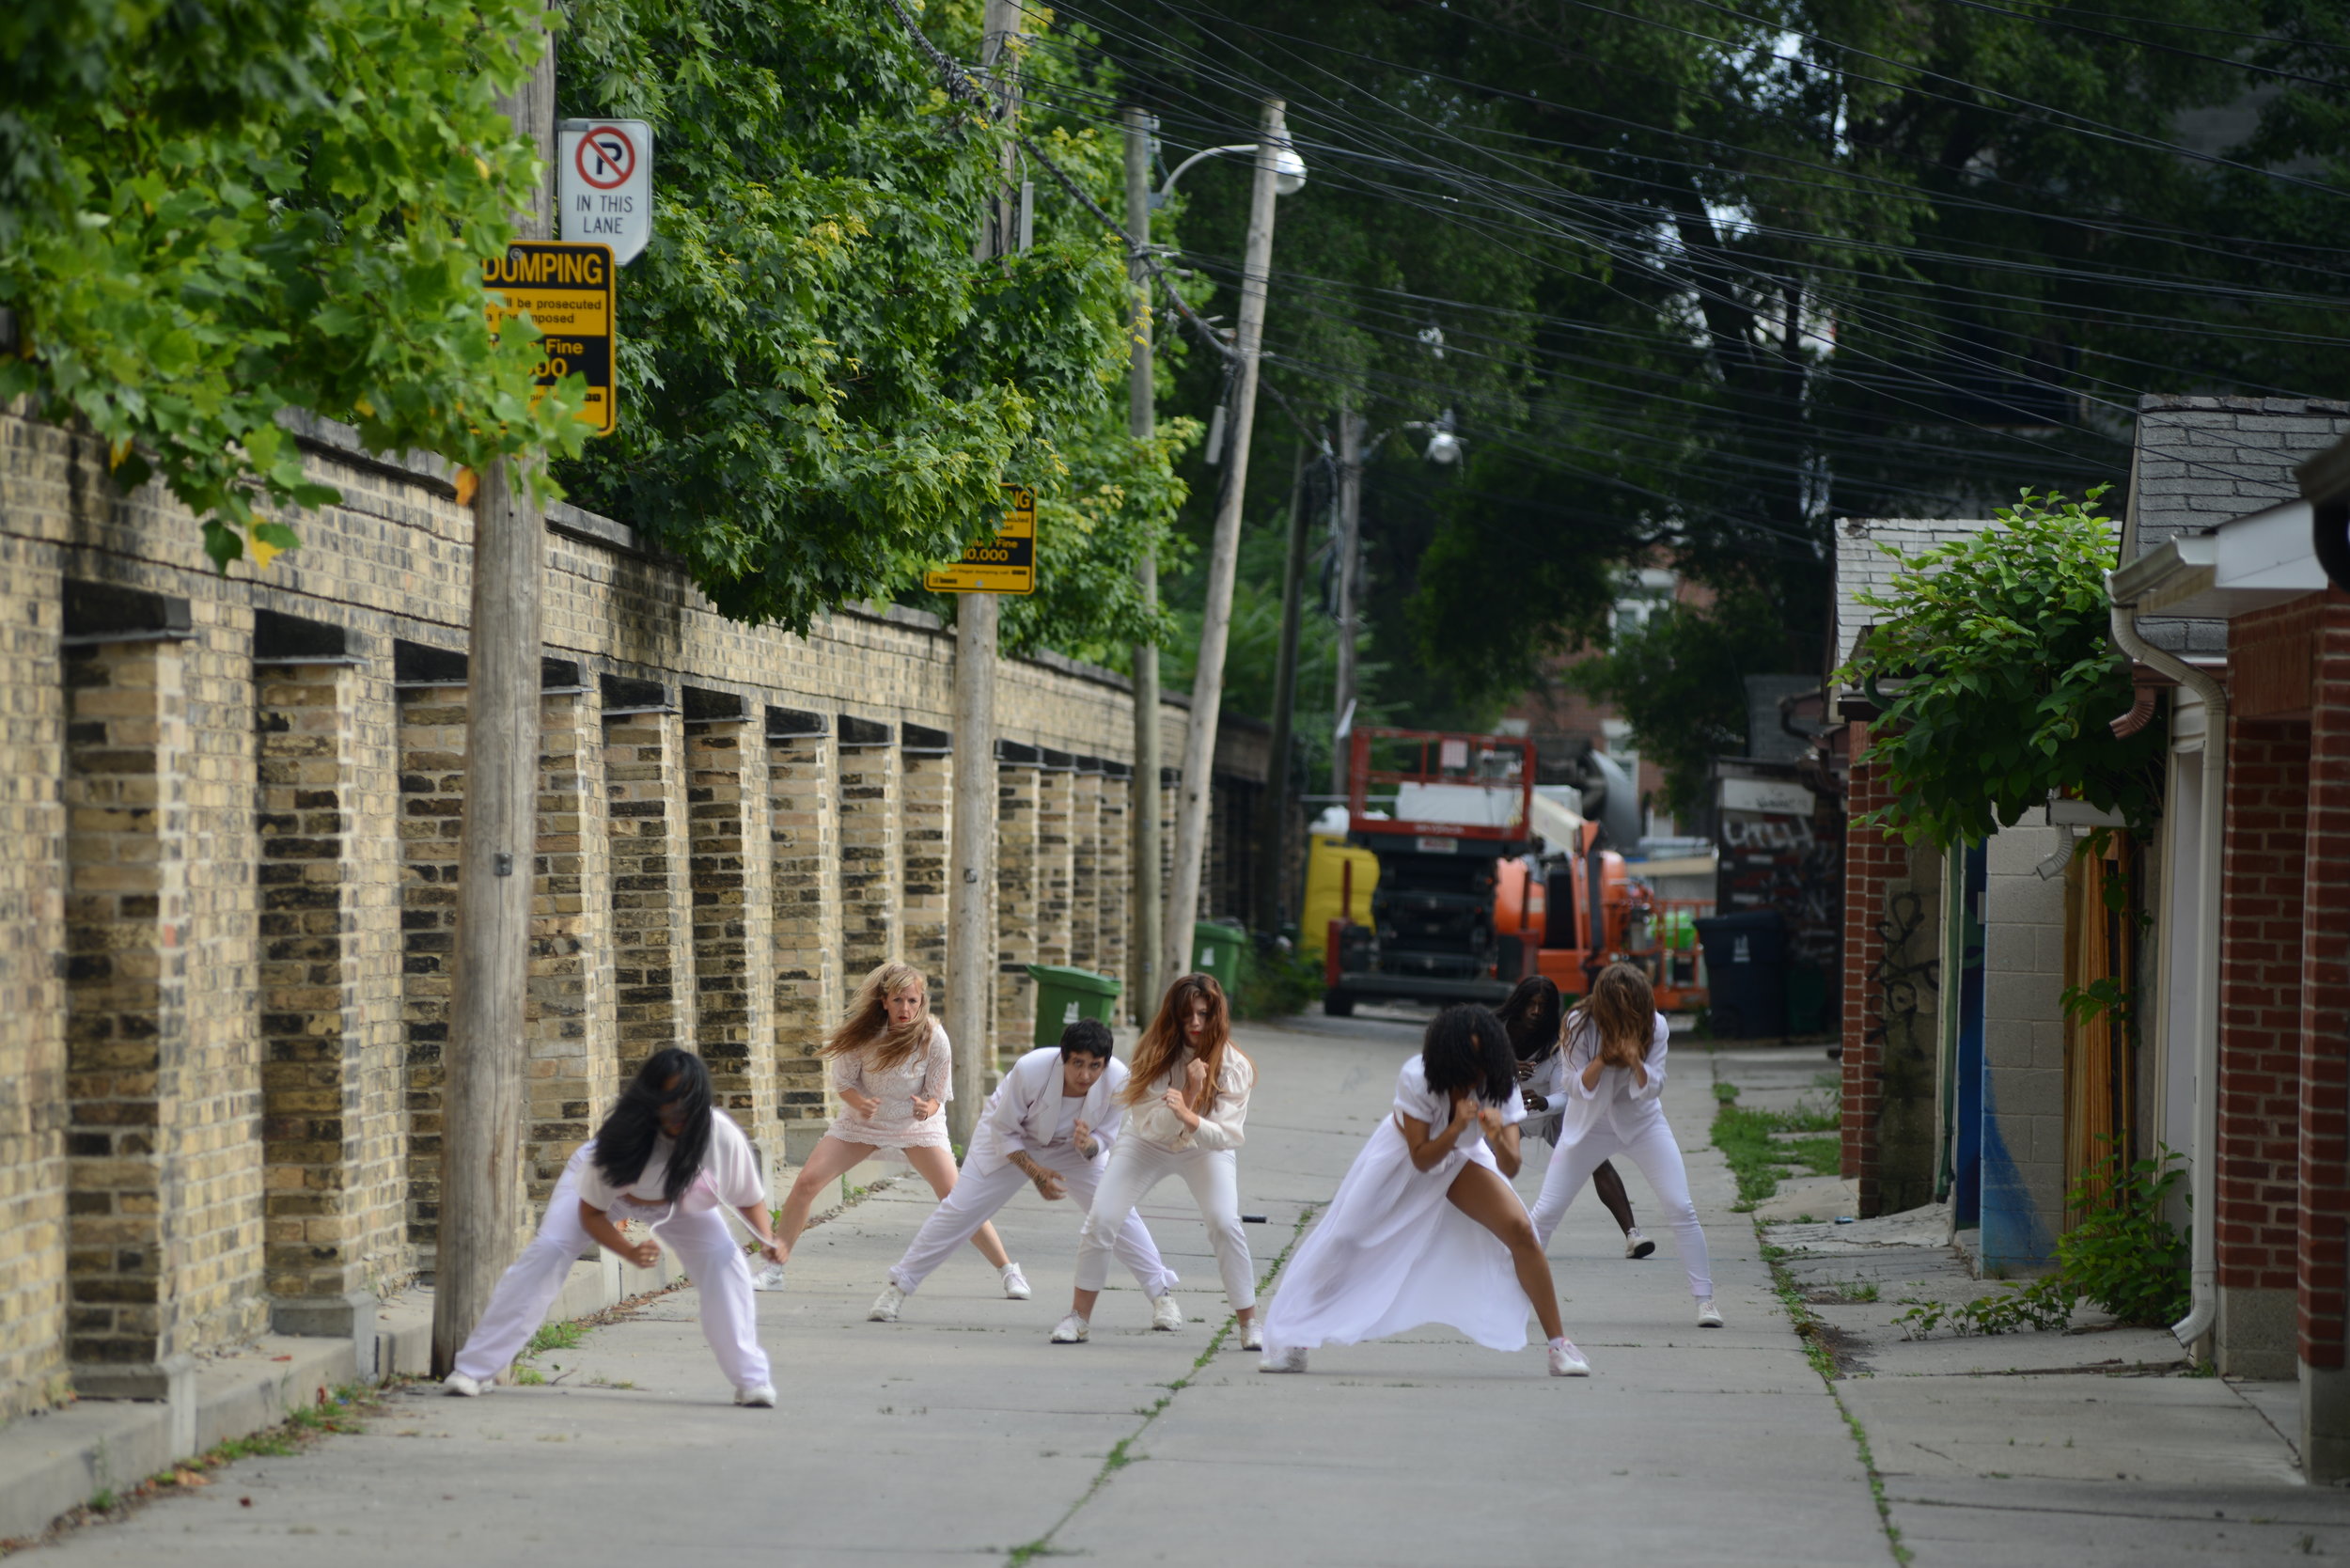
(1277, 985)
(2126, 1258)
(1996, 679)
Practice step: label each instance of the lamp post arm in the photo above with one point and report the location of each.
(1177, 172)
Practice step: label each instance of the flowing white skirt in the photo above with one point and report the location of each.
(1391, 1253)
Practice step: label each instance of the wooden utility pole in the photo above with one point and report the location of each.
(1275, 829)
(971, 836)
(1206, 686)
(485, 1059)
(1349, 547)
(1143, 423)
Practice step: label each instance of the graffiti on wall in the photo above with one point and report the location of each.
(1793, 864)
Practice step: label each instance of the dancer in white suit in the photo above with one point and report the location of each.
(1185, 1103)
(1426, 1227)
(893, 1068)
(1052, 1121)
(667, 1157)
(1615, 1051)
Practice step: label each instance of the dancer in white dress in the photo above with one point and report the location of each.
(1185, 1103)
(1534, 1017)
(1615, 1050)
(669, 1158)
(1052, 1121)
(1426, 1228)
(893, 1068)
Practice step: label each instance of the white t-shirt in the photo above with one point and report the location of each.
(1065, 1128)
(1414, 1098)
(730, 1174)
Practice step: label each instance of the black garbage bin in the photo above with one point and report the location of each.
(1746, 974)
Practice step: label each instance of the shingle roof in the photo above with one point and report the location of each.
(2203, 460)
(1861, 567)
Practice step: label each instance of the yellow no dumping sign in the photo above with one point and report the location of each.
(1005, 564)
(566, 285)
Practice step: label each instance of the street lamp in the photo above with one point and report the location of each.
(1288, 169)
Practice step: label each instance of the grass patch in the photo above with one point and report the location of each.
(556, 1336)
(1758, 1160)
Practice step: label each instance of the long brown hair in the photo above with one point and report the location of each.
(1162, 1044)
(867, 1025)
(1619, 1007)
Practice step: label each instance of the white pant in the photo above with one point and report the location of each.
(1135, 1167)
(1654, 1149)
(701, 1241)
(976, 1198)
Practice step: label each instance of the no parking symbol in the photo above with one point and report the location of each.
(604, 184)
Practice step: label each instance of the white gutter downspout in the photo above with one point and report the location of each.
(2203, 1169)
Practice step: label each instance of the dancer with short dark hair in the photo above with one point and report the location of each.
(1535, 1017)
(1615, 1056)
(1052, 1121)
(1426, 1227)
(666, 1156)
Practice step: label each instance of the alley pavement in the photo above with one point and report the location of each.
(958, 1433)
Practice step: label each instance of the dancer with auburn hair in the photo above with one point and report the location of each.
(894, 1068)
(668, 1156)
(1535, 1017)
(1426, 1227)
(1615, 1061)
(1186, 1102)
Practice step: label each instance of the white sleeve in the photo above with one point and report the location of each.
(1114, 1106)
(1221, 1127)
(1008, 1110)
(938, 1082)
(1654, 1062)
(733, 1169)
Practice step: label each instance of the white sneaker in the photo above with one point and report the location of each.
(768, 1279)
(1166, 1314)
(1290, 1361)
(1070, 1330)
(886, 1304)
(1015, 1284)
(1567, 1362)
(1709, 1315)
(1252, 1335)
(1637, 1245)
(762, 1397)
(457, 1383)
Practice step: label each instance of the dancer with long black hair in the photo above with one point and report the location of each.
(1536, 1019)
(668, 1157)
(1186, 1102)
(1614, 1048)
(1426, 1227)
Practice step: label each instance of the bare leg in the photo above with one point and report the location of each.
(1081, 1302)
(1488, 1199)
(937, 1167)
(1609, 1186)
(826, 1164)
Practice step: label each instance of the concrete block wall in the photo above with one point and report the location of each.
(229, 866)
(2023, 1049)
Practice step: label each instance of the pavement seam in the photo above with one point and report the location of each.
(1122, 1454)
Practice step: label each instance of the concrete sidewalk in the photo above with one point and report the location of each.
(959, 1431)
(2091, 1446)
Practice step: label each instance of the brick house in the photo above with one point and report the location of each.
(2224, 600)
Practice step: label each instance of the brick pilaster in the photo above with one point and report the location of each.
(733, 917)
(1114, 907)
(127, 928)
(569, 1011)
(1085, 865)
(1016, 792)
(870, 859)
(432, 750)
(2323, 1211)
(926, 794)
(1055, 859)
(803, 848)
(651, 941)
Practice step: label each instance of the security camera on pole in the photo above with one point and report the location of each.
(1278, 171)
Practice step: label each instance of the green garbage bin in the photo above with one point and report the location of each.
(1064, 995)
(1220, 951)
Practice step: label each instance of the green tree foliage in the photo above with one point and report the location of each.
(1997, 679)
(212, 215)
(824, 389)
(1710, 276)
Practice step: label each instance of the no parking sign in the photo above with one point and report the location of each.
(604, 184)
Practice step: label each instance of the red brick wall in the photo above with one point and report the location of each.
(2325, 1022)
(2260, 1004)
(1870, 858)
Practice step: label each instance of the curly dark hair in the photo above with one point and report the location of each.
(1465, 1048)
(625, 1141)
(1533, 1016)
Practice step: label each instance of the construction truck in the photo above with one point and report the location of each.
(1477, 877)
